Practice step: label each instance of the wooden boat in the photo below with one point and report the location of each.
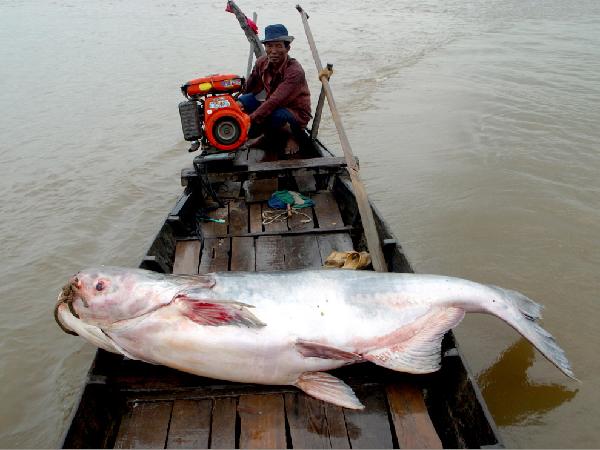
(127, 403)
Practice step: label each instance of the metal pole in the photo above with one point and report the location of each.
(364, 208)
(314, 130)
(259, 48)
(251, 55)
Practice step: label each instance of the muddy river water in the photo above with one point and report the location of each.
(476, 123)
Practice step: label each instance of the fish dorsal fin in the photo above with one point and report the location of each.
(421, 352)
(217, 312)
(328, 388)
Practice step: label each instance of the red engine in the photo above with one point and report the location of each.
(211, 112)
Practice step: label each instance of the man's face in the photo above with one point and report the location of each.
(276, 52)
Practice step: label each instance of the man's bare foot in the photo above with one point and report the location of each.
(291, 146)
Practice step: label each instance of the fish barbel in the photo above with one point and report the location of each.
(286, 328)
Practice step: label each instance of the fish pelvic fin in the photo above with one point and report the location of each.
(328, 388)
(421, 352)
(217, 312)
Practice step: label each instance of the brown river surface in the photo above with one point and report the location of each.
(477, 123)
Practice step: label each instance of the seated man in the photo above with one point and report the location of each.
(286, 110)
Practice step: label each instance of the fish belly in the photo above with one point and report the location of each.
(265, 355)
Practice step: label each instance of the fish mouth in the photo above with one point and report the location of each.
(66, 296)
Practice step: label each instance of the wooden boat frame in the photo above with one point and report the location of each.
(126, 403)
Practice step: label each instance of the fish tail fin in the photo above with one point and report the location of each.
(523, 317)
(528, 308)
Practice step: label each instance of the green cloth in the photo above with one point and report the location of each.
(280, 200)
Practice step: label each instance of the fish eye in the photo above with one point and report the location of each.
(100, 285)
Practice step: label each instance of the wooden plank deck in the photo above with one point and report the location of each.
(190, 424)
(247, 416)
(224, 423)
(262, 421)
(259, 417)
(145, 425)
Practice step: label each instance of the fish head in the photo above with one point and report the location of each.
(105, 295)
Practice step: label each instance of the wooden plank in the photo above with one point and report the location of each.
(295, 164)
(260, 190)
(145, 425)
(208, 392)
(276, 226)
(325, 164)
(306, 183)
(370, 427)
(262, 421)
(302, 219)
(238, 217)
(190, 424)
(186, 174)
(307, 421)
(269, 253)
(327, 210)
(338, 434)
(243, 256)
(222, 433)
(213, 229)
(215, 255)
(187, 257)
(256, 218)
(228, 189)
(315, 231)
(411, 420)
(181, 203)
(341, 242)
(301, 252)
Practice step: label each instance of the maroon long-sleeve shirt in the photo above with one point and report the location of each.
(285, 88)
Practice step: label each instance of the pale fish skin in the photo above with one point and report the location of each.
(286, 328)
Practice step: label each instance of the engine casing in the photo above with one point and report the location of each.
(225, 124)
(212, 112)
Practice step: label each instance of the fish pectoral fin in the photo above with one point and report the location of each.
(328, 388)
(217, 312)
(421, 352)
(315, 350)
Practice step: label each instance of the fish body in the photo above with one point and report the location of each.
(286, 328)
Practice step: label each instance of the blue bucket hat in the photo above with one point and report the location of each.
(276, 32)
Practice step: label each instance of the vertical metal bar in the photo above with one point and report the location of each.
(319, 110)
(251, 55)
(259, 48)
